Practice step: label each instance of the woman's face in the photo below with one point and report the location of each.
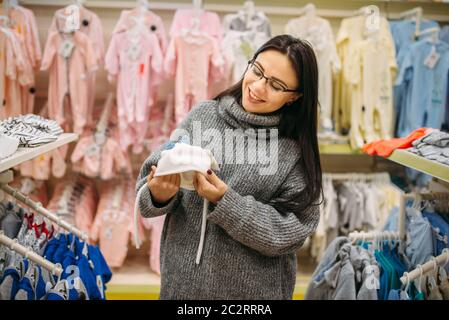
(260, 95)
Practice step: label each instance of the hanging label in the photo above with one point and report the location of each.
(66, 48)
(432, 58)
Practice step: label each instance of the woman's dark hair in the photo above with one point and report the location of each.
(299, 119)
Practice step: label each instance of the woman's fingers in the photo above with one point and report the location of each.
(178, 180)
(152, 172)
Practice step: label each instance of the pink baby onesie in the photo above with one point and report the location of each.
(84, 204)
(156, 226)
(16, 74)
(42, 167)
(23, 24)
(136, 62)
(90, 25)
(70, 59)
(196, 60)
(111, 227)
(95, 158)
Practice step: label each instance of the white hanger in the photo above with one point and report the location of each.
(406, 287)
(143, 6)
(79, 3)
(432, 34)
(308, 10)
(249, 10)
(421, 274)
(414, 14)
(198, 6)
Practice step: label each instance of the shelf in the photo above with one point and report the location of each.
(25, 154)
(337, 149)
(430, 167)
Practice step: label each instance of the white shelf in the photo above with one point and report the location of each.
(25, 154)
(430, 167)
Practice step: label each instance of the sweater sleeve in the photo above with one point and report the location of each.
(261, 226)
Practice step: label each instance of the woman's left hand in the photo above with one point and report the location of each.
(209, 186)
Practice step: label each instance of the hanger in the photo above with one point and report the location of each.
(143, 6)
(432, 34)
(414, 14)
(79, 3)
(405, 288)
(248, 11)
(421, 274)
(198, 6)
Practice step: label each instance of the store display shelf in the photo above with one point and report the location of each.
(430, 167)
(337, 149)
(25, 154)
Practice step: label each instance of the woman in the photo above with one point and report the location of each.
(256, 222)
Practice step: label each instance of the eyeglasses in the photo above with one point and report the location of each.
(275, 85)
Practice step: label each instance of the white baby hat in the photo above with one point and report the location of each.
(186, 160)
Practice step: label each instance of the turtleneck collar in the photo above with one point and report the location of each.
(234, 114)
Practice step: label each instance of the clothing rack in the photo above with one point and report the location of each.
(43, 211)
(410, 196)
(29, 254)
(441, 260)
(374, 235)
(220, 8)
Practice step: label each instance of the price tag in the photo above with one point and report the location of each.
(432, 58)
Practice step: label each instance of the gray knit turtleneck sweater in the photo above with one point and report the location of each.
(249, 250)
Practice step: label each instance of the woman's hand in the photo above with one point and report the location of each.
(209, 186)
(163, 188)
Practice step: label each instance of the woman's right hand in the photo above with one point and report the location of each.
(163, 188)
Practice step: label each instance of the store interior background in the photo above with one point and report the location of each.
(135, 280)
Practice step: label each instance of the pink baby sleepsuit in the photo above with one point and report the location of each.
(83, 200)
(23, 24)
(196, 61)
(42, 167)
(135, 60)
(15, 73)
(90, 25)
(105, 160)
(70, 59)
(113, 226)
